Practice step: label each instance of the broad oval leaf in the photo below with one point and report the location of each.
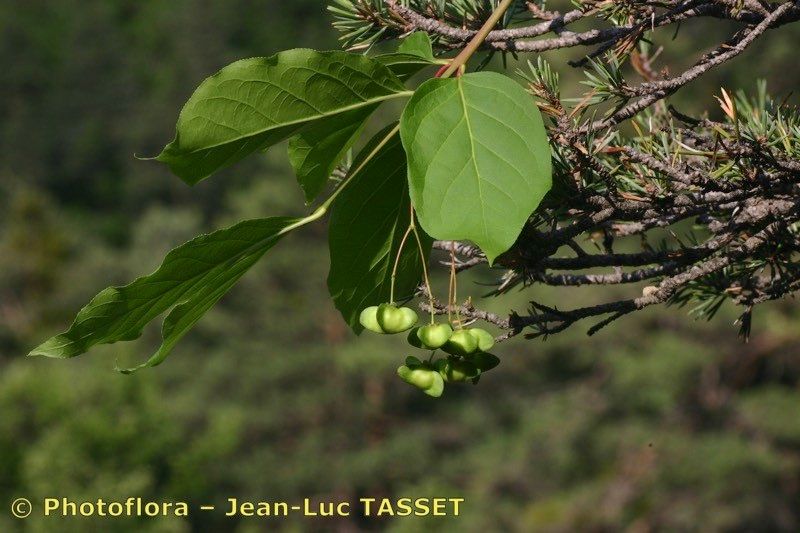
(255, 103)
(315, 151)
(367, 225)
(478, 159)
(192, 278)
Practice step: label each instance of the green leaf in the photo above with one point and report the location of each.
(255, 103)
(478, 158)
(315, 151)
(412, 361)
(413, 54)
(404, 65)
(484, 361)
(417, 44)
(192, 278)
(367, 225)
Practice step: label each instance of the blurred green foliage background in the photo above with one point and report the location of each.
(659, 423)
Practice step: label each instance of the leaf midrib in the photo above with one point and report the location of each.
(179, 287)
(473, 155)
(300, 121)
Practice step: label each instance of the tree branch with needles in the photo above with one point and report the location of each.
(697, 212)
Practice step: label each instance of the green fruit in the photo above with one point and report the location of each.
(413, 339)
(461, 342)
(437, 388)
(392, 319)
(484, 338)
(424, 378)
(369, 319)
(434, 336)
(457, 371)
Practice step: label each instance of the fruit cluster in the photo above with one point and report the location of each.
(467, 348)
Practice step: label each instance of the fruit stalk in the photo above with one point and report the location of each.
(397, 262)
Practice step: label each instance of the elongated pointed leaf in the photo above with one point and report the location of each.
(418, 44)
(315, 151)
(367, 225)
(192, 278)
(404, 65)
(478, 158)
(255, 103)
(413, 54)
